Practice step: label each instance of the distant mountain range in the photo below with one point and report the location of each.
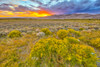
(71, 16)
(74, 16)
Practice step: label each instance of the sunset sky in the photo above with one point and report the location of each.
(42, 8)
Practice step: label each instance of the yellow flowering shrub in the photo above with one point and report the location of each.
(72, 40)
(14, 33)
(52, 52)
(91, 38)
(73, 33)
(62, 34)
(82, 55)
(46, 31)
(70, 33)
(96, 42)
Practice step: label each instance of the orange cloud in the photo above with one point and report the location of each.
(42, 13)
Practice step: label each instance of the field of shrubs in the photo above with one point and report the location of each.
(49, 43)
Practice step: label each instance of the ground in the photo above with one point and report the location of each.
(19, 48)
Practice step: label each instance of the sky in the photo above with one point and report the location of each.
(42, 8)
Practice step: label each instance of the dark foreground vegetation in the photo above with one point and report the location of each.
(49, 43)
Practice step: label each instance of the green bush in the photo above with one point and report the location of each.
(62, 34)
(46, 31)
(52, 52)
(14, 33)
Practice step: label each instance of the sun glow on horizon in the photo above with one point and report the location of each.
(41, 13)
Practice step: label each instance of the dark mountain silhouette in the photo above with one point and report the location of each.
(74, 16)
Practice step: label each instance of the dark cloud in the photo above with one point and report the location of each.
(19, 8)
(61, 7)
(85, 6)
(37, 1)
(5, 7)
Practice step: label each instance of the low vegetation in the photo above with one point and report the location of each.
(50, 44)
(14, 33)
(62, 34)
(46, 31)
(52, 52)
(73, 33)
(95, 42)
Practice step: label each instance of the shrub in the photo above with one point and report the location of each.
(52, 52)
(14, 33)
(73, 33)
(62, 34)
(72, 40)
(46, 31)
(81, 29)
(95, 42)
